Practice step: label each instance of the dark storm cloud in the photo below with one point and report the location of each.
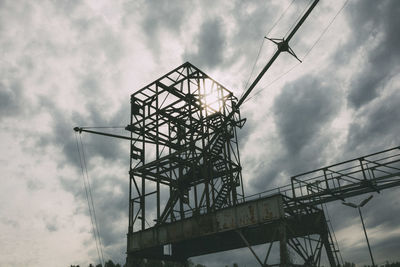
(375, 29)
(9, 222)
(251, 27)
(387, 248)
(52, 224)
(302, 110)
(377, 213)
(156, 16)
(163, 15)
(89, 83)
(378, 218)
(110, 196)
(98, 38)
(109, 192)
(376, 127)
(10, 99)
(365, 89)
(63, 134)
(34, 184)
(95, 49)
(254, 19)
(66, 6)
(380, 209)
(277, 169)
(210, 45)
(13, 75)
(250, 19)
(111, 208)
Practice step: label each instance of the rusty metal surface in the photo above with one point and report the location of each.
(246, 214)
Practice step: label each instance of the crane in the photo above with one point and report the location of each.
(200, 154)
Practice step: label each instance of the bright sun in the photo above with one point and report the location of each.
(212, 102)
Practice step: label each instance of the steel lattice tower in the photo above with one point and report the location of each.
(173, 120)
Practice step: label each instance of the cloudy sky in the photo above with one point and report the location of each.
(67, 63)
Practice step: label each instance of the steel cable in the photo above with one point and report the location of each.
(91, 200)
(262, 44)
(88, 201)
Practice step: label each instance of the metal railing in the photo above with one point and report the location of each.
(358, 176)
(373, 172)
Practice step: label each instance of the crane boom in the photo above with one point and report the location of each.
(283, 46)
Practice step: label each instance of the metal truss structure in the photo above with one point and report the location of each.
(291, 216)
(308, 191)
(308, 235)
(370, 173)
(186, 195)
(180, 150)
(186, 190)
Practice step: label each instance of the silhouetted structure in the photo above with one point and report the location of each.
(183, 150)
(185, 162)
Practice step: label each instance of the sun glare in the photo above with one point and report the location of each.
(211, 102)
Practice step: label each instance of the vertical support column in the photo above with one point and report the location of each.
(157, 154)
(326, 179)
(171, 190)
(206, 154)
(328, 249)
(327, 242)
(191, 141)
(130, 215)
(185, 263)
(207, 190)
(362, 168)
(181, 143)
(136, 153)
(142, 205)
(130, 224)
(283, 251)
(143, 190)
(238, 153)
(227, 157)
(181, 193)
(293, 190)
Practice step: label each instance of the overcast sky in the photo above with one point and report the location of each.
(67, 63)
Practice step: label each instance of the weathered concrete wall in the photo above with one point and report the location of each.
(246, 214)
